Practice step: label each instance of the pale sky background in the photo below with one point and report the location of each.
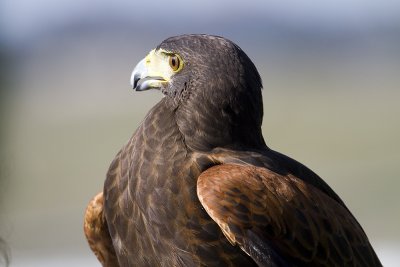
(22, 19)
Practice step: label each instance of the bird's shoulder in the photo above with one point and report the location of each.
(276, 162)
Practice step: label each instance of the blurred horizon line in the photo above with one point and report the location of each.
(264, 27)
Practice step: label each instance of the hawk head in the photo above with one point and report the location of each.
(210, 82)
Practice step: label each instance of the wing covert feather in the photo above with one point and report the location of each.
(271, 215)
(96, 232)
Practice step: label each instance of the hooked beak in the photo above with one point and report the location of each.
(144, 79)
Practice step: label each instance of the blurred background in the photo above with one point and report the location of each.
(331, 74)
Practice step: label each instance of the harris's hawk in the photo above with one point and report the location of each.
(196, 185)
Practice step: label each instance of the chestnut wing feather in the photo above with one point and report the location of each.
(281, 220)
(97, 234)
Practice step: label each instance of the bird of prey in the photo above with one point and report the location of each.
(196, 185)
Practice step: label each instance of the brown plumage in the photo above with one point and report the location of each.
(304, 223)
(96, 232)
(197, 186)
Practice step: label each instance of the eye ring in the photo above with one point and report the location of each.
(174, 62)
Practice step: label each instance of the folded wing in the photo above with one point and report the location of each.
(281, 220)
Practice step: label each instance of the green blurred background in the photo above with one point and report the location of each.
(331, 74)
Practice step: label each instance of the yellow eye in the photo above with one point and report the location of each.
(174, 62)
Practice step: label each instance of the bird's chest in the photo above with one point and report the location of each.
(152, 208)
(162, 222)
(170, 218)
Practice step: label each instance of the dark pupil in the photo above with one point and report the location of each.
(173, 62)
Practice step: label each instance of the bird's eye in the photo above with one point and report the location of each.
(174, 62)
